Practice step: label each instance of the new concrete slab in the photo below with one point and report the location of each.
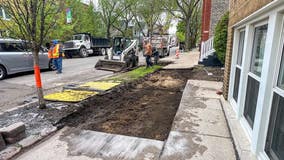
(73, 144)
(204, 89)
(190, 146)
(200, 120)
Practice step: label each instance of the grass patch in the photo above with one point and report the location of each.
(134, 74)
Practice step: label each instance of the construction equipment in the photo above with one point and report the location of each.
(122, 55)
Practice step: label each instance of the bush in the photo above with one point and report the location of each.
(220, 37)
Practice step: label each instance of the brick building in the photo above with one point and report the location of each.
(212, 11)
(254, 73)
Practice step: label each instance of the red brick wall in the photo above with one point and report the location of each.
(239, 9)
(206, 15)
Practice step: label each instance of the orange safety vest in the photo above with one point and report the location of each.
(50, 53)
(55, 53)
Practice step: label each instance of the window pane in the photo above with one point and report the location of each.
(1, 12)
(241, 48)
(7, 15)
(236, 85)
(275, 138)
(251, 100)
(12, 47)
(258, 49)
(281, 73)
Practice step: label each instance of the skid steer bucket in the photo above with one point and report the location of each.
(110, 65)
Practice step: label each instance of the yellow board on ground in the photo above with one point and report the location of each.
(70, 96)
(103, 85)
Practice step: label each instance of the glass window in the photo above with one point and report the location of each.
(251, 100)
(7, 16)
(258, 49)
(12, 47)
(275, 137)
(241, 48)
(281, 73)
(1, 12)
(237, 84)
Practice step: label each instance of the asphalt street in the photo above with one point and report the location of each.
(20, 88)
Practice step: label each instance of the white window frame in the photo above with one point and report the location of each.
(274, 13)
(275, 89)
(236, 42)
(247, 60)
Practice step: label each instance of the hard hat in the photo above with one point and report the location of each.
(54, 41)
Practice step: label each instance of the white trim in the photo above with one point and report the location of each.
(247, 127)
(249, 36)
(279, 91)
(265, 89)
(261, 23)
(254, 76)
(263, 156)
(233, 63)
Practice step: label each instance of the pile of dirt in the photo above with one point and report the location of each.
(144, 109)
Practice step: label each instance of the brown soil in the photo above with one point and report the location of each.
(142, 109)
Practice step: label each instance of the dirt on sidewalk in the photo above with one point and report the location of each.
(143, 109)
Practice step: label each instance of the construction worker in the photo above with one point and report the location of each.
(57, 55)
(148, 53)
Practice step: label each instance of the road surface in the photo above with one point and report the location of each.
(19, 89)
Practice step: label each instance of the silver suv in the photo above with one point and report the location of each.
(16, 56)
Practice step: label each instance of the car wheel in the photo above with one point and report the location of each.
(3, 73)
(83, 52)
(51, 66)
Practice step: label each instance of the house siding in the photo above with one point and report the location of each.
(239, 9)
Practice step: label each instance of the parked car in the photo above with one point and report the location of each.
(16, 56)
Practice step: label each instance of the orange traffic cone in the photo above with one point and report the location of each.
(177, 54)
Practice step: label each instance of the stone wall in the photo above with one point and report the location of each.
(239, 9)
(218, 8)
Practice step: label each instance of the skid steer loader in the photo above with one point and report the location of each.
(122, 55)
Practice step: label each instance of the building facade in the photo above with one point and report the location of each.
(254, 73)
(212, 11)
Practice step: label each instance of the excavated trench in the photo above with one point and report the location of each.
(145, 108)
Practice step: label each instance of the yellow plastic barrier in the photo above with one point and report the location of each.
(70, 96)
(103, 85)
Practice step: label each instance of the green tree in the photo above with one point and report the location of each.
(84, 19)
(32, 20)
(220, 37)
(111, 11)
(181, 31)
(150, 12)
(187, 11)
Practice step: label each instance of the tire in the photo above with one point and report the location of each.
(68, 54)
(51, 66)
(3, 73)
(83, 52)
(134, 61)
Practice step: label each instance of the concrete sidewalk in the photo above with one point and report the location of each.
(199, 130)
(185, 60)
